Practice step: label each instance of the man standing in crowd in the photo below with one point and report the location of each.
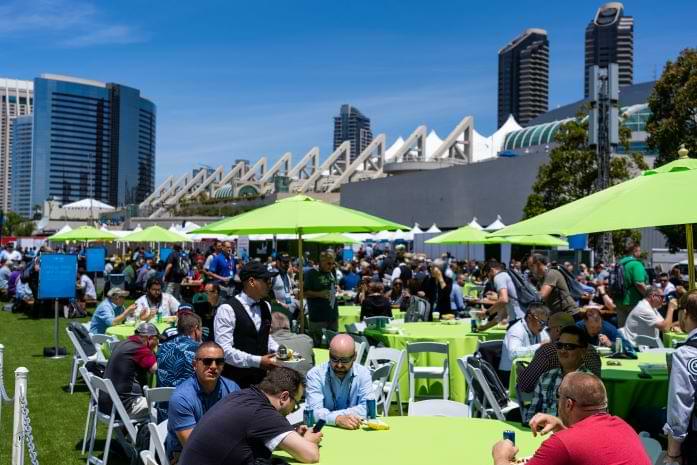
(681, 425)
(283, 285)
(337, 390)
(155, 301)
(5, 273)
(110, 311)
(175, 356)
(222, 269)
(457, 300)
(242, 328)
(301, 344)
(553, 288)
(523, 338)
(196, 395)
(247, 426)
(636, 281)
(131, 363)
(506, 306)
(547, 356)
(320, 292)
(645, 320)
(584, 433)
(571, 347)
(173, 274)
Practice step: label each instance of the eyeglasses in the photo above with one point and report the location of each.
(542, 322)
(208, 361)
(342, 360)
(566, 346)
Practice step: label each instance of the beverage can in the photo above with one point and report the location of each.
(158, 318)
(510, 435)
(309, 417)
(473, 322)
(371, 409)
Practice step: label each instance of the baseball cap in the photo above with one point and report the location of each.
(256, 270)
(147, 329)
(117, 292)
(284, 257)
(185, 308)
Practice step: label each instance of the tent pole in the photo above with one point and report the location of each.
(301, 296)
(690, 255)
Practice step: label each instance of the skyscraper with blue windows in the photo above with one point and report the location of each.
(91, 140)
(20, 181)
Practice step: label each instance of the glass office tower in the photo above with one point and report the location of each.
(91, 140)
(21, 166)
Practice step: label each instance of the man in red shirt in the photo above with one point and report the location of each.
(584, 433)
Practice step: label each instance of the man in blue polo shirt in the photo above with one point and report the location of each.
(222, 268)
(192, 398)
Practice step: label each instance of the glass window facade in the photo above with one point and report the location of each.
(21, 166)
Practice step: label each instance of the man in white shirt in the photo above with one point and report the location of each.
(87, 285)
(155, 301)
(242, 328)
(644, 319)
(524, 338)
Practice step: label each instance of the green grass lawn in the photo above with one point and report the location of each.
(57, 417)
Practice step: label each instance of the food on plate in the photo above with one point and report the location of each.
(377, 425)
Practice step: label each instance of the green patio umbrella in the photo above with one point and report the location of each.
(464, 235)
(333, 238)
(83, 233)
(640, 202)
(542, 240)
(300, 215)
(155, 234)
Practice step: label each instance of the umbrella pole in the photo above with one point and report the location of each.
(690, 255)
(301, 310)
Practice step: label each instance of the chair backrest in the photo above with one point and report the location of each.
(524, 398)
(377, 321)
(117, 410)
(154, 396)
(435, 347)
(86, 375)
(82, 337)
(643, 340)
(380, 355)
(438, 408)
(355, 328)
(99, 339)
(361, 347)
(418, 310)
(158, 435)
(147, 458)
(489, 393)
(653, 447)
(117, 280)
(296, 417)
(380, 376)
(328, 335)
(491, 352)
(79, 351)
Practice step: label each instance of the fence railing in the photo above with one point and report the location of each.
(21, 423)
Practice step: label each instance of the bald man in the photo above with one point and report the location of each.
(337, 390)
(584, 433)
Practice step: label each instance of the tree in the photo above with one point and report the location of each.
(673, 121)
(15, 225)
(572, 170)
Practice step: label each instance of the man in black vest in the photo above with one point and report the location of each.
(242, 327)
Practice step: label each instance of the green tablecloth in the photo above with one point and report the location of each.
(422, 441)
(626, 391)
(123, 331)
(460, 344)
(670, 337)
(321, 356)
(352, 314)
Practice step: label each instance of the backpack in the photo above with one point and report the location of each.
(418, 310)
(183, 265)
(616, 286)
(492, 379)
(527, 294)
(575, 288)
(83, 338)
(405, 273)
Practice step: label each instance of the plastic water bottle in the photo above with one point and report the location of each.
(618, 345)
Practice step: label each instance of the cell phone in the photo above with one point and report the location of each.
(318, 426)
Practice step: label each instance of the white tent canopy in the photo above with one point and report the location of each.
(475, 224)
(433, 229)
(496, 225)
(64, 229)
(88, 204)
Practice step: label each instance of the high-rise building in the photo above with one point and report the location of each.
(524, 77)
(352, 125)
(16, 99)
(610, 39)
(91, 139)
(21, 166)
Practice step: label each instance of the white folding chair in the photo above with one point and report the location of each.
(438, 408)
(154, 396)
(653, 448)
(117, 419)
(361, 347)
(298, 416)
(650, 342)
(158, 434)
(524, 398)
(428, 372)
(380, 376)
(485, 403)
(378, 356)
(91, 407)
(147, 458)
(80, 358)
(355, 328)
(377, 321)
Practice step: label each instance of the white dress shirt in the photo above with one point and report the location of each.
(168, 305)
(224, 329)
(520, 342)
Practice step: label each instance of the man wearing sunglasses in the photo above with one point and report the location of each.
(337, 390)
(523, 338)
(193, 397)
(584, 433)
(242, 327)
(572, 344)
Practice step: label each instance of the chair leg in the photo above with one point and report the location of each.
(107, 444)
(93, 437)
(412, 387)
(73, 375)
(399, 401)
(446, 386)
(88, 424)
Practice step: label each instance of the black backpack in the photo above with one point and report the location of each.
(492, 379)
(83, 338)
(183, 265)
(527, 294)
(575, 288)
(616, 286)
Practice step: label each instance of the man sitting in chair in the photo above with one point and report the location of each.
(337, 390)
(644, 319)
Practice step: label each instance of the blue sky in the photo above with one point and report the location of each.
(245, 79)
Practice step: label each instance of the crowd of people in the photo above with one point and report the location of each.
(233, 317)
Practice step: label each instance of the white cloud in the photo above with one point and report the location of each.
(68, 23)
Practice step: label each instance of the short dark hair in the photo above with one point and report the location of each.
(187, 322)
(208, 345)
(578, 332)
(663, 275)
(152, 281)
(539, 258)
(630, 245)
(215, 287)
(376, 287)
(281, 379)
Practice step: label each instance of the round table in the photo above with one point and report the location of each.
(123, 331)
(671, 337)
(420, 441)
(461, 342)
(352, 314)
(626, 391)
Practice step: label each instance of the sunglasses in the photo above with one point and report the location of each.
(342, 360)
(209, 361)
(566, 346)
